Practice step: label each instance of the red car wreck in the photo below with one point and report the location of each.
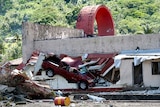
(90, 72)
(71, 74)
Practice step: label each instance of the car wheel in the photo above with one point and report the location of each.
(50, 73)
(83, 85)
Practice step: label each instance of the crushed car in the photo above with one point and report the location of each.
(54, 66)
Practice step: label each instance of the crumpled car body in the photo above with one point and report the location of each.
(72, 76)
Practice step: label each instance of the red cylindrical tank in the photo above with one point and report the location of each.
(101, 14)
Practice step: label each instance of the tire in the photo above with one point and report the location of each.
(50, 73)
(83, 85)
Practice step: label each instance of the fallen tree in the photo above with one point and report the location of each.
(23, 84)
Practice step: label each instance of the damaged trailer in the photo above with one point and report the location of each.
(139, 68)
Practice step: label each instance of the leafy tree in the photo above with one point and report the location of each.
(4, 6)
(1, 46)
(130, 17)
(72, 16)
(147, 29)
(47, 14)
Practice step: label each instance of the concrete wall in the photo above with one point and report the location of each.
(127, 77)
(34, 33)
(126, 72)
(44, 38)
(60, 82)
(148, 78)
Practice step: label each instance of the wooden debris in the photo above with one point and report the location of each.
(24, 85)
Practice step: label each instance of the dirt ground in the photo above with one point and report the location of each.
(84, 103)
(94, 104)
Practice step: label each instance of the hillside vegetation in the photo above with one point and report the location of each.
(130, 17)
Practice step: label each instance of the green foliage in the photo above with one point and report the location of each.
(5, 5)
(138, 13)
(72, 16)
(10, 49)
(130, 17)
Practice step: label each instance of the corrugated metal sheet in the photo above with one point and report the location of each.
(137, 55)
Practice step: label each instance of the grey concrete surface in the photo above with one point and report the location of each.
(96, 104)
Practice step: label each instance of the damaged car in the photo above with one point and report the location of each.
(54, 66)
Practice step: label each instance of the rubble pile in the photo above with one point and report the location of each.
(22, 84)
(37, 79)
(16, 85)
(88, 69)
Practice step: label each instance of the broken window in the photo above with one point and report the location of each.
(155, 68)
